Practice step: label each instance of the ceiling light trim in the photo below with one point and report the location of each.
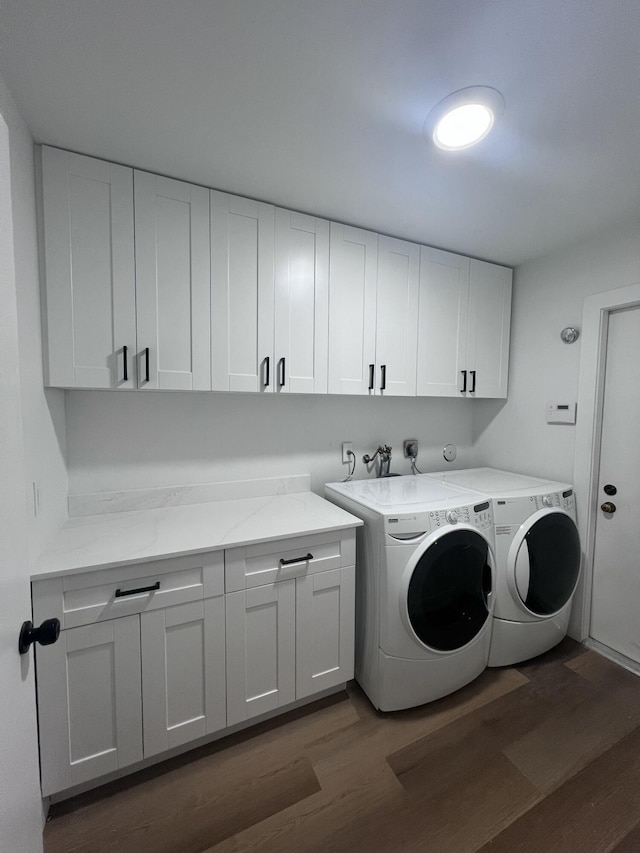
(484, 96)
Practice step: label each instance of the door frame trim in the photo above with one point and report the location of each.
(586, 465)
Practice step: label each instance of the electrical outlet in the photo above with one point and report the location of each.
(411, 448)
(346, 447)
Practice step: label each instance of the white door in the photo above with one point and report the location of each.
(397, 317)
(442, 325)
(89, 702)
(173, 284)
(20, 801)
(325, 603)
(487, 360)
(242, 234)
(90, 277)
(353, 275)
(301, 303)
(615, 616)
(183, 673)
(261, 651)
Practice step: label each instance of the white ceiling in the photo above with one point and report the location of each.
(319, 105)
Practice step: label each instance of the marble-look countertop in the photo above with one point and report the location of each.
(117, 538)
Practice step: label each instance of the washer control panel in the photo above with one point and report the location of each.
(478, 515)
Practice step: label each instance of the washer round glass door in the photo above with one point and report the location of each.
(547, 563)
(447, 596)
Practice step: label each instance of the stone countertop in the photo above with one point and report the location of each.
(117, 538)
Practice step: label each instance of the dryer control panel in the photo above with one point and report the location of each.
(562, 500)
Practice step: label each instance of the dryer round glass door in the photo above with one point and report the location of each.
(447, 596)
(548, 563)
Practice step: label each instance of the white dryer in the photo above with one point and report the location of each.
(425, 574)
(538, 559)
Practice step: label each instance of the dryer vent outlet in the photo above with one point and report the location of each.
(411, 448)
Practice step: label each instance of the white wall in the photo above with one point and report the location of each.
(42, 411)
(120, 440)
(548, 295)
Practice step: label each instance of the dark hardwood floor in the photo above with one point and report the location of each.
(540, 757)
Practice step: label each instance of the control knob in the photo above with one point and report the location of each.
(547, 500)
(451, 516)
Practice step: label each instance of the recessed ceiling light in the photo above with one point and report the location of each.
(464, 117)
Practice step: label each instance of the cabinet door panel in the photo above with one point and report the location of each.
(325, 643)
(183, 673)
(489, 326)
(89, 266)
(242, 234)
(442, 328)
(261, 625)
(172, 283)
(397, 316)
(352, 309)
(301, 302)
(89, 703)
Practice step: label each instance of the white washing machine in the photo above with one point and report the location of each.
(425, 574)
(538, 559)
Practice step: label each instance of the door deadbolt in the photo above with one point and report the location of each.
(609, 490)
(608, 508)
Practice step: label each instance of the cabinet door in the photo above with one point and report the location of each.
(261, 654)
(353, 269)
(173, 272)
(325, 605)
(442, 326)
(489, 327)
(301, 302)
(89, 703)
(183, 673)
(89, 266)
(242, 234)
(397, 316)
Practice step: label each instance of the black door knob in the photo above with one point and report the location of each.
(46, 634)
(610, 490)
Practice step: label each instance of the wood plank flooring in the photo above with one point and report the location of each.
(544, 756)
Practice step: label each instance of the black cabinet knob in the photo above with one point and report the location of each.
(46, 634)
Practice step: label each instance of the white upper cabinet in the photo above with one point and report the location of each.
(87, 208)
(301, 306)
(374, 313)
(489, 328)
(353, 270)
(172, 284)
(463, 332)
(269, 298)
(242, 235)
(397, 316)
(442, 327)
(153, 283)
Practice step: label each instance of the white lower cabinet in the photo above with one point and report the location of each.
(325, 604)
(163, 657)
(183, 673)
(89, 703)
(290, 631)
(262, 650)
